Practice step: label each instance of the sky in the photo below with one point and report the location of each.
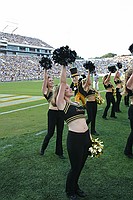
(92, 28)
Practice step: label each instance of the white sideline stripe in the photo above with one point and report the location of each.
(11, 111)
(26, 108)
(41, 132)
(102, 91)
(6, 95)
(6, 146)
(100, 109)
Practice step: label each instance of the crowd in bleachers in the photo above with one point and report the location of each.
(26, 67)
(17, 68)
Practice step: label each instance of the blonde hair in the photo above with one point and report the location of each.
(54, 96)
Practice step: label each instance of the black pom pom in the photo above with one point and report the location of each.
(45, 63)
(64, 55)
(131, 48)
(83, 76)
(119, 65)
(89, 65)
(112, 68)
(125, 69)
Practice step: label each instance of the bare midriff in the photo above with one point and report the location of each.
(109, 90)
(78, 125)
(91, 97)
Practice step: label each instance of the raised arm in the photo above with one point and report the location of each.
(88, 80)
(116, 75)
(45, 82)
(107, 79)
(60, 102)
(63, 75)
(129, 83)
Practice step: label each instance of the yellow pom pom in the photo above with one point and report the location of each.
(97, 147)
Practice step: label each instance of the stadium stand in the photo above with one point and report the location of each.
(21, 45)
(20, 55)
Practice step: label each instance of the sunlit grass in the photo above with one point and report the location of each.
(27, 175)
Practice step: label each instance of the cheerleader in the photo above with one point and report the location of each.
(109, 96)
(129, 87)
(78, 138)
(91, 103)
(55, 119)
(119, 85)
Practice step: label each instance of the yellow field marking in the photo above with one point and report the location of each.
(5, 99)
(10, 100)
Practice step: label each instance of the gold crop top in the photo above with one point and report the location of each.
(73, 112)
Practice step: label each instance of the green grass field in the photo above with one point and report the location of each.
(24, 174)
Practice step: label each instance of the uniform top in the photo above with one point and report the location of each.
(117, 81)
(48, 96)
(90, 92)
(108, 86)
(73, 112)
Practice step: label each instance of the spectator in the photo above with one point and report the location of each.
(96, 81)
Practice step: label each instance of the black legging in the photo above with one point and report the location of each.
(77, 147)
(55, 119)
(129, 144)
(91, 107)
(118, 100)
(126, 100)
(109, 99)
